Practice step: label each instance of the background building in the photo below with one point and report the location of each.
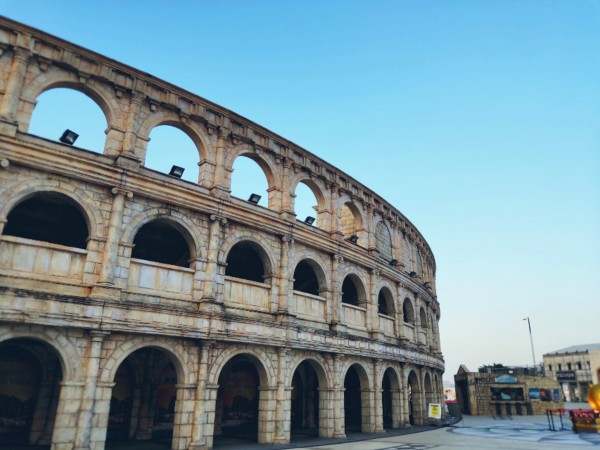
(497, 394)
(136, 305)
(575, 367)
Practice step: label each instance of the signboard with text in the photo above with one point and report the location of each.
(565, 375)
(435, 411)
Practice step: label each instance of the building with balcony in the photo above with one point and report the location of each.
(135, 305)
(575, 368)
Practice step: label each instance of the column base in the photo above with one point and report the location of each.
(339, 435)
(8, 128)
(106, 292)
(126, 161)
(210, 305)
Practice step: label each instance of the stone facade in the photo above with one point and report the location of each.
(490, 394)
(576, 368)
(114, 337)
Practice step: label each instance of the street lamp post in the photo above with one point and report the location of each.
(531, 339)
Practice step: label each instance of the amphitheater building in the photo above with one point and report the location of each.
(135, 305)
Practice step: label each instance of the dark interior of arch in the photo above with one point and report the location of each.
(352, 401)
(305, 279)
(160, 242)
(349, 292)
(48, 217)
(243, 261)
(382, 305)
(407, 312)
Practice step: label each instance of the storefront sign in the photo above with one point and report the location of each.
(566, 375)
(506, 379)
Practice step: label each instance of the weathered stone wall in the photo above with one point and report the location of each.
(94, 307)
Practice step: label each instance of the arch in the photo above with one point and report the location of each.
(385, 302)
(308, 399)
(318, 364)
(352, 224)
(30, 391)
(391, 399)
(163, 241)
(414, 398)
(357, 402)
(68, 354)
(317, 190)
(174, 143)
(408, 311)
(29, 188)
(422, 318)
(50, 217)
(176, 353)
(54, 77)
(353, 291)
(60, 108)
(383, 241)
(266, 370)
(270, 173)
(309, 277)
(183, 224)
(246, 260)
(258, 243)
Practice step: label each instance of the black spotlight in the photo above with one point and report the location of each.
(413, 274)
(254, 198)
(353, 239)
(69, 137)
(309, 220)
(176, 171)
(393, 262)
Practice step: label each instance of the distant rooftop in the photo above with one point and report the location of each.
(576, 348)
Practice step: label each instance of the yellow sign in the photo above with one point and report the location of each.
(435, 410)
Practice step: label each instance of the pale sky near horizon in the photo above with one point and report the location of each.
(478, 120)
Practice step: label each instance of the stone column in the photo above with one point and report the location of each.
(12, 93)
(101, 413)
(367, 398)
(397, 408)
(370, 244)
(203, 417)
(283, 307)
(378, 395)
(400, 313)
(335, 218)
(184, 412)
(336, 301)
(326, 413)
(373, 306)
(211, 300)
(106, 283)
(127, 154)
(283, 401)
(84, 424)
(287, 209)
(405, 422)
(267, 410)
(65, 423)
(337, 403)
(219, 188)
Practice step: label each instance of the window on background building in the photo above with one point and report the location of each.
(579, 365)
(560, 367)
(549, 367)
(569, 366)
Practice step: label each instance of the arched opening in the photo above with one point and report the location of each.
(59, 109)
(429, 392)
(385, 302)
(49, 217)
(383, 241)
(414, 400)
(30, 376)
(390, 399)
(408, 311)
(171, 146)
(249, 178)
(352, 225)
(423, 318)
(305, 401)
(306, 204)
(236, 414)
(353, 292)
(161, 241)
(246, 260)
(353, 408)
(143, 406)
(306, 279)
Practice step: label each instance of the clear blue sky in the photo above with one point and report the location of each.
(479, 120)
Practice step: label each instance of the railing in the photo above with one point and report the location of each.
(246, 293)
(41, 258)
(158, 277)
(409, 331)
(386, 325)
(354, 316)
(310, 306)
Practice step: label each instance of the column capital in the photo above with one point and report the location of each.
(120, 191)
